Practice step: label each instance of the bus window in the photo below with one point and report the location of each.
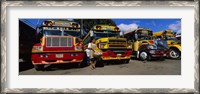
(158, 37)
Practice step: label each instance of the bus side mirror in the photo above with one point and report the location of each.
(136, 36)
(92, 34)
(38, 37)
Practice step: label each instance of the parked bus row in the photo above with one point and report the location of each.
(59, 42)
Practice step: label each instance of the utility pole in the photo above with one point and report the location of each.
(81, 27)
(37, 26)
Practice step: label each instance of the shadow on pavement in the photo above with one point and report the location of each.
(23, 66)
(55, 67)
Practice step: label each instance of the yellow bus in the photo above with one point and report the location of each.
(173, 43)
(144, 47)
(108, 41)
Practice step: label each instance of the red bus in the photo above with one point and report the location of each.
(58, 42)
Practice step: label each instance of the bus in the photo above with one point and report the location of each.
(109, 42)
(144, 47)
(57, 42)
(172, 41)
(178, 37)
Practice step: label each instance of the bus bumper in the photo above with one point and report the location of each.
(116, 58)
(56, 58)
(113, 55)
(157, 53)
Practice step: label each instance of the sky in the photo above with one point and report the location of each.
(127, 25)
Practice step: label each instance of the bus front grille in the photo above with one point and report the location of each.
(58, 41)
(114, 45)
(117, 43)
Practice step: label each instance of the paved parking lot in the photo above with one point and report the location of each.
(134, 67)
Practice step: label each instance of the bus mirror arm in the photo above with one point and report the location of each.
(80, 40)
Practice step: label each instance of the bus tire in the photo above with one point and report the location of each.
(126, 61)
(82, 64)
(100, 63)
(175, 54)
(162, 58)
(143, 55)
(79, 64)
(39, 67)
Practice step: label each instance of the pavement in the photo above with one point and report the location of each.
(134, 67)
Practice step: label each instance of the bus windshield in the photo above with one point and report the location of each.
(144, 35)
(99, 34)
(161, 44)
(52, 32)
(71, 33)
(61, 33)
(172, 38)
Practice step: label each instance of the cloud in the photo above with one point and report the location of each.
(125, 28)
(176, 27)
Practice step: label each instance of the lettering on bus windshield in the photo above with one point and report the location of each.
(61, 24)
(61, 33)
(144, 32)
(106, 33)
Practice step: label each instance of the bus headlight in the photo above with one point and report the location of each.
(152, 51)
(101, 45)
(129, 46)
(79, 48)
(152, 47)
(37, 48)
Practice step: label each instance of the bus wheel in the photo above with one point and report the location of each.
(143, 56)
(39, 67)
(126, 61)
(100, 63)
(79, 64)
(162, 59)
(174, 54)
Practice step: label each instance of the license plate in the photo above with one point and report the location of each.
(164, 54)
(59, 55)
(119, 54)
